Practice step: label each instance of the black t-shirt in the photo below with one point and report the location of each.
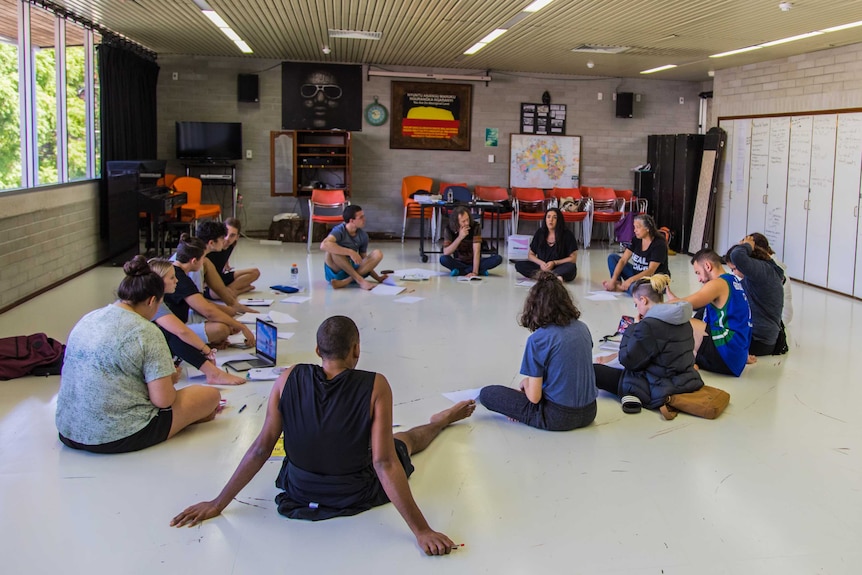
(563, 247)
(220, 259)
(176, 301)
(464, 253)
(656, 252)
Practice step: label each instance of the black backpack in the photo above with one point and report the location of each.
(35, 354)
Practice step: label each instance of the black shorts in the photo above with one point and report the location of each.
(155, 432)
(709, 359)
(227, 278)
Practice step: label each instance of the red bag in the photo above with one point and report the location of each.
(22, 354)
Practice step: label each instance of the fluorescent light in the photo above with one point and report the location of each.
(659, 69)
(790, 39)
(493, 36)
(428, 76)
(537, 5)
(732, 52)
(355, 34)
(475, 48)
(231, 34)
(216, 19)
(243, 46)
(843, 27)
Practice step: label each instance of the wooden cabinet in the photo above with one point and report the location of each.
(301, 160)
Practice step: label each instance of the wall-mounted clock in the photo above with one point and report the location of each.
(376, 114)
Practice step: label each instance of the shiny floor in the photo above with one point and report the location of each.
(772, 486)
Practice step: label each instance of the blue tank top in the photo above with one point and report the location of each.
(730, 326)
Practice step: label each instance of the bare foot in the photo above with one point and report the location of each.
(338, 284)
(751, 360)
(225, 378)
(382, 278)
(459, 411)
(366, 285)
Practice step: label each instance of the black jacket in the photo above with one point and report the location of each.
(658, 354)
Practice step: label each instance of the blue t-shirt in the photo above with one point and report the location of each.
(730, 326)
(562, 356)
(357, 243)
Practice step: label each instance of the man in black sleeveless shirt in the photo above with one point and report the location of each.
(329, 470)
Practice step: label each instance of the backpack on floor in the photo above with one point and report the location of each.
(35, 354)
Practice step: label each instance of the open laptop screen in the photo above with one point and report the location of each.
(266, 335)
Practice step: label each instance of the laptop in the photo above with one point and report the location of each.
(265, 351)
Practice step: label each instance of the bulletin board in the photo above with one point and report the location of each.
(544, 161)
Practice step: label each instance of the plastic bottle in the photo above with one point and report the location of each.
(294, 276)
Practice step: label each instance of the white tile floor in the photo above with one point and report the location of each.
(772, 486)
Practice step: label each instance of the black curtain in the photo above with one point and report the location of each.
(128, 104)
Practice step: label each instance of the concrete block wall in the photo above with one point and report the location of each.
(825, 80)
(205, 90)
(47, 235)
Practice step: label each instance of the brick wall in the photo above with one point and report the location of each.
(205, 90)
(46, 235)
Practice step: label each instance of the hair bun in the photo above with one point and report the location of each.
(137, 266)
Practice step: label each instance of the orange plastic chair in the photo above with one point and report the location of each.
(607, 208)
(577, 217)
(411, 185)
(495, 194)
(330, 201)
(193, 209)
(532, 200)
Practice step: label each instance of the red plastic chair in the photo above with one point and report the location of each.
(632, 202)
(411, 185)
(607, 208)
(328, 200)
(530, 205)
(495, 194)
(577, 217)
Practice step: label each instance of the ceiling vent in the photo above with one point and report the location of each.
(355, 34)
(597, 49)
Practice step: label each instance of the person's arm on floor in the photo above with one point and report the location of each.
(391, 473)
(650, 271)
(174, 325)
(258, 454)
(213, 280)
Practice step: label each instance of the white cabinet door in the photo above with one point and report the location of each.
(798, 171)
(758, 174)
(820, 199)
(722, 203)
(738, 206)
(776, 184)
(845, 203)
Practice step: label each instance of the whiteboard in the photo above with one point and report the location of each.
(738, 226)
(776, 184)
(758, 173)
(798, 171)
(823, 135)
(544, 161)
(845, 203)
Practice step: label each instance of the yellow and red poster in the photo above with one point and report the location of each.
(430, 116)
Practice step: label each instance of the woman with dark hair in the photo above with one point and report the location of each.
(117, 388)
(646, 256)
(553, 249)
(656, 352)
(462, 246)
(559, 390)
(761, 242)
(210, 322)
(183, 342)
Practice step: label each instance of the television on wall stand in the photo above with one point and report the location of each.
(209, 142)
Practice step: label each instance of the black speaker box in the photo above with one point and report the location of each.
(247, 88)
(625, 104)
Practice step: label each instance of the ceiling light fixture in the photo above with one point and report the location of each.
(732, 52)
(537, 5)
(485, 41)
(355, 34)
(534, 7)
(429, 76)
(326, 50)
(220, 23)
(843, 27)
(659, 69)
(790, 39)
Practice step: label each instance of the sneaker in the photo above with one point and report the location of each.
(455, 272)
(631, 404)
(484, 273)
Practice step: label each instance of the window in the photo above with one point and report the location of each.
(76, 103)
(10, 116)
(42, 46)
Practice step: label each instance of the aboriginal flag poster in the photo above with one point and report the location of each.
(430, 116)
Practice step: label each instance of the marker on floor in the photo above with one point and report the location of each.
(242, 408)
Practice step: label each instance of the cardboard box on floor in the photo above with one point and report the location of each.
(518, 246)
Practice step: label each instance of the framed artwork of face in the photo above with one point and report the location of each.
(321, 96)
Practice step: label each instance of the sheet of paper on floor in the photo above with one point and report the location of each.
(296, 299)
(408, 299)
(462, 395)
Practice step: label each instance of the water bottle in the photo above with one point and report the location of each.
(294, 276)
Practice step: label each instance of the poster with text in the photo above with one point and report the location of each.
(430, 116)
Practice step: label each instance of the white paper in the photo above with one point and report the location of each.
(462, 395)
(281, 317)
(237, 340)
(390, 281)
(469, 279)
(221, 359)
(256, 302)
(601, 297)
(296, 299)
(525, 282)
(426, 273)
(285, 334)
(408, 299)
(265, 373)
(251, 318)
(383, 289)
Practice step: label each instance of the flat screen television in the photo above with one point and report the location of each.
(209, 141)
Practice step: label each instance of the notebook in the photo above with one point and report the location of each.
(266, 348)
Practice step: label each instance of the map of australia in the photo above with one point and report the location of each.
(545, 162)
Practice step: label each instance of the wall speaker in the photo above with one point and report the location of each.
(247, 88)
(625, 104)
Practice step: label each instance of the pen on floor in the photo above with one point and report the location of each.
(457, 546)
(241, 408)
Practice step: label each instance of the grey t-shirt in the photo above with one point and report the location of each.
(111, 354)
(357, 243)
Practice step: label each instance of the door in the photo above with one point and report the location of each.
(798, 175)
(845, 203)
(737, 224)
(758, 174)
(776, 184)
(817, 235)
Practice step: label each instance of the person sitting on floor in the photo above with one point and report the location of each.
(723, 336)
(553, 249)
(657, 351)
(462, 246)
(237, 281)
(182, 341)
(330, 415)
(644, 257)
(209, 281)
(209, 321)
(117, 388)
(763, 282)
(346, 247)
(559, 390)
(761, 242)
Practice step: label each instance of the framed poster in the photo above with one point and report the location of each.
(544, 161)
(543, 118)
(430, 116)
(318, 96)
